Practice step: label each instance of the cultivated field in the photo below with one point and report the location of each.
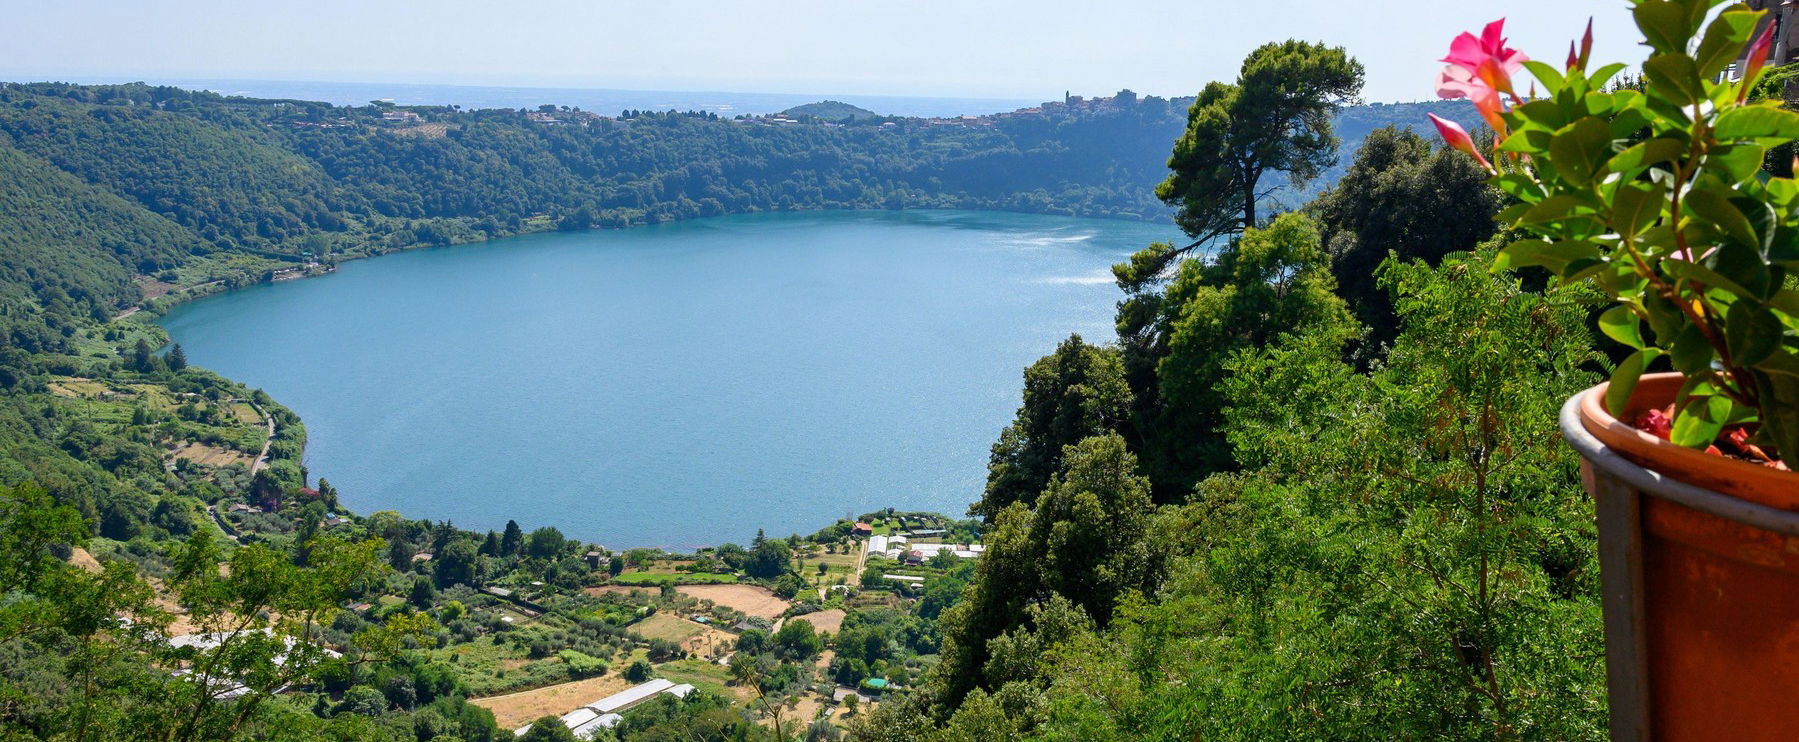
(214, 456)
(515, 710)
(750, 599)
(826, 621)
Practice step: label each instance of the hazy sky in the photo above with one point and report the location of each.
(997, 48)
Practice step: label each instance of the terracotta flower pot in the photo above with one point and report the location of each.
(1700, 565)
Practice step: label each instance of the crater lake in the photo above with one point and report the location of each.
(674, 385)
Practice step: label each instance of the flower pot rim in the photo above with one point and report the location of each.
(1729, 476)
(1612, 465)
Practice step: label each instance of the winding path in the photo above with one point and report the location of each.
(262, 459)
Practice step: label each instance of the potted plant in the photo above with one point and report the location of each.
(1655, 194)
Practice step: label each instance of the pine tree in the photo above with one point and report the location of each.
(177, 358)
(140, 356)
(513, 540)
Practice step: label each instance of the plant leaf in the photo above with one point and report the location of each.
(1664, 23)
(1699, 420)
(1721, 212)
(1724, 39)
(1646, 153)
(1635, 206)
(1692, 353)
(1624, 379)
(1551, 79)
(1756, 122)
(1674, 78)
(1581, 149)
(1779, 395)
(1621, 324)
(1751, 332)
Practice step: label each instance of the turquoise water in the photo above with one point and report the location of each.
(674, 385)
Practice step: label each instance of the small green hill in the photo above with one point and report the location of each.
(831, 110)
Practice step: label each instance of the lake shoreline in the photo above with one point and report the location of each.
(1036, 246)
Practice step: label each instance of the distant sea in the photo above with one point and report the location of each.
(602, 101)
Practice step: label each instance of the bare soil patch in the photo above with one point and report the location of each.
(515, 710)
(81, 558)
(710, 644)
(749, 599)
(153, 288)
(214, 456)
(830, 621)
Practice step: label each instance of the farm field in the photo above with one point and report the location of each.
(749, 599)
(514, 710)
(669, 627)
(672, 578)
(707, 676)
(827, 621)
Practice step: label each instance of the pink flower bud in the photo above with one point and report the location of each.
(1458, 138)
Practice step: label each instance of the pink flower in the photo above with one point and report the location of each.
(1486, 58)
(1586, 45)
(1457, 137)
(1758, 56)
(1479, 69)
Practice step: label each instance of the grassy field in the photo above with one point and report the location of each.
(673, 578)
(838, 568)
(490, 668)
(707, 676)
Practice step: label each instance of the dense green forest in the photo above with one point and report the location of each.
(1312, 489)
(211, 192)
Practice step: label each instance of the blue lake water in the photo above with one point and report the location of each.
(674, 385)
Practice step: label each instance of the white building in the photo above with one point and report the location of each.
(966, 551)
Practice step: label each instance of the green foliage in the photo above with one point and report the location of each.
(1656, 198)
(545, 543)
(582, 665)
(258, 616)
(1075, 392)
(1084, 543)
(1275, 118)
(797, 640)
(514, 539)
(700, 715)
(1273, 280)
(459, 562)
(638, 671)
(768, 558)
(1399, 198)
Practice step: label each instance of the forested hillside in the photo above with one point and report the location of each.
(168, 176)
